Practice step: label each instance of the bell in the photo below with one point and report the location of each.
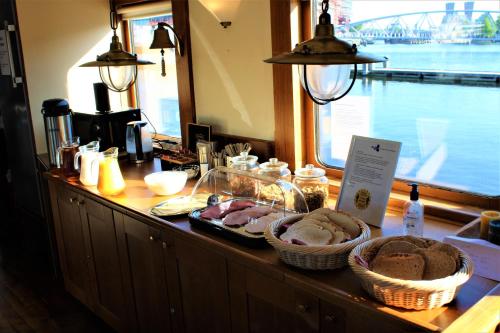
(161, 39)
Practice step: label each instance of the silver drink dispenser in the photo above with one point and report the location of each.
(58, 125)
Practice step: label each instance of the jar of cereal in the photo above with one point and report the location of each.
(313, 184)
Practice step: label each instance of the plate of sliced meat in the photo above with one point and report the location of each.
(243, 221)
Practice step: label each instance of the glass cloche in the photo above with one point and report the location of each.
(241, 204)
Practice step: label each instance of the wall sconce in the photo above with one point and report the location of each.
(117, 68)
(161, 40)
(223, 10)
(325, 62)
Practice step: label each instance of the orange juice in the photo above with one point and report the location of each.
(110, 180)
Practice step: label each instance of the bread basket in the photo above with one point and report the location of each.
(314, 257)
(408, 294)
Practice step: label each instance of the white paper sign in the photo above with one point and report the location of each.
(368, 176)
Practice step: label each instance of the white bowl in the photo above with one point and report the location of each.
(166, 182)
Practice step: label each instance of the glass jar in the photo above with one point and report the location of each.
(314, 185)
(244, 186)
(275, 169)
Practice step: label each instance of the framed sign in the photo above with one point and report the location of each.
(368, 175)
(197, 132)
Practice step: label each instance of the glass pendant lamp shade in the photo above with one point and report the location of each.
(117, 68)
(118, 78)
(326, 81)
(325, 62)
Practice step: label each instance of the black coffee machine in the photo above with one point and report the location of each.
(108, 128)
(104, 125)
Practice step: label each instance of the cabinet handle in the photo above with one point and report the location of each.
(302, 308)
(330, 318)
(72, 200)
(80, 203)
(172, 310)
(151, 238)
(8, 29)
(166, 245)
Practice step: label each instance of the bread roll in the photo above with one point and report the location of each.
(399, 266)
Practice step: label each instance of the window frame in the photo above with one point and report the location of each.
(445, 203)
(183, 64)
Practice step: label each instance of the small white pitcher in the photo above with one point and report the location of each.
(89, 169)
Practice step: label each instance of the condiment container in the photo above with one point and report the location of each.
(313, 184)
(244, 186)
(486, 217)
(275, 169)
(494, 232)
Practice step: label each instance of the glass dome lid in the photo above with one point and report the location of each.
(223, 184)
(309, 171)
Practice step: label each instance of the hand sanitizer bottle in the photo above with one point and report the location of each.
(413, 214)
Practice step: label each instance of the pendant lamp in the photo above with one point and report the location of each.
(117, 68)
(325, 62)
(161, 40)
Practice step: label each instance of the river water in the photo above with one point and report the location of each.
(450, 132)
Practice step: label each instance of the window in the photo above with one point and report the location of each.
(439, 94)
(156, 95)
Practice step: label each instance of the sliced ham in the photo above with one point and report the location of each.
(258, 226)
(221, 210)
(242, 217)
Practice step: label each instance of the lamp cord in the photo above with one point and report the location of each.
(150, 123)
(321, 101)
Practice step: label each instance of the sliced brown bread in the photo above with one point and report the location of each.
(438, 264)
(448, 249)
(396, 247)
(399, 266)
(419, 242)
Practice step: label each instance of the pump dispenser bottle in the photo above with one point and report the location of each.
(413, 214)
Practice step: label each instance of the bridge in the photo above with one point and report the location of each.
(454, 26)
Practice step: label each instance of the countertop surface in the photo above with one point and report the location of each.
(138, 199)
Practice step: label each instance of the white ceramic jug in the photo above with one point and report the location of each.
(89, 169)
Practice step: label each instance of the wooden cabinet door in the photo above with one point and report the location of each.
(73, 252)
(262, 304)
(141, 255)
(332, 318)
(110, 297)
(202, 282)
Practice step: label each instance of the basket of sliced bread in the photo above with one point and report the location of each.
(411, 272)
(321, 239)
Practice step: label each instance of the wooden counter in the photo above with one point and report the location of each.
(337, 287)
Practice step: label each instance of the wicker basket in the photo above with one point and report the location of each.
(408, 294)
(314, 257)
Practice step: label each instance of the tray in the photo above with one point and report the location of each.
(236, 234)
(483, 253)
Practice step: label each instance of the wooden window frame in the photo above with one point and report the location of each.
(444, 203)
(183, 64)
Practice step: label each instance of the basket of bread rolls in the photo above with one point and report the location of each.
(411, 272)
(321, 239)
